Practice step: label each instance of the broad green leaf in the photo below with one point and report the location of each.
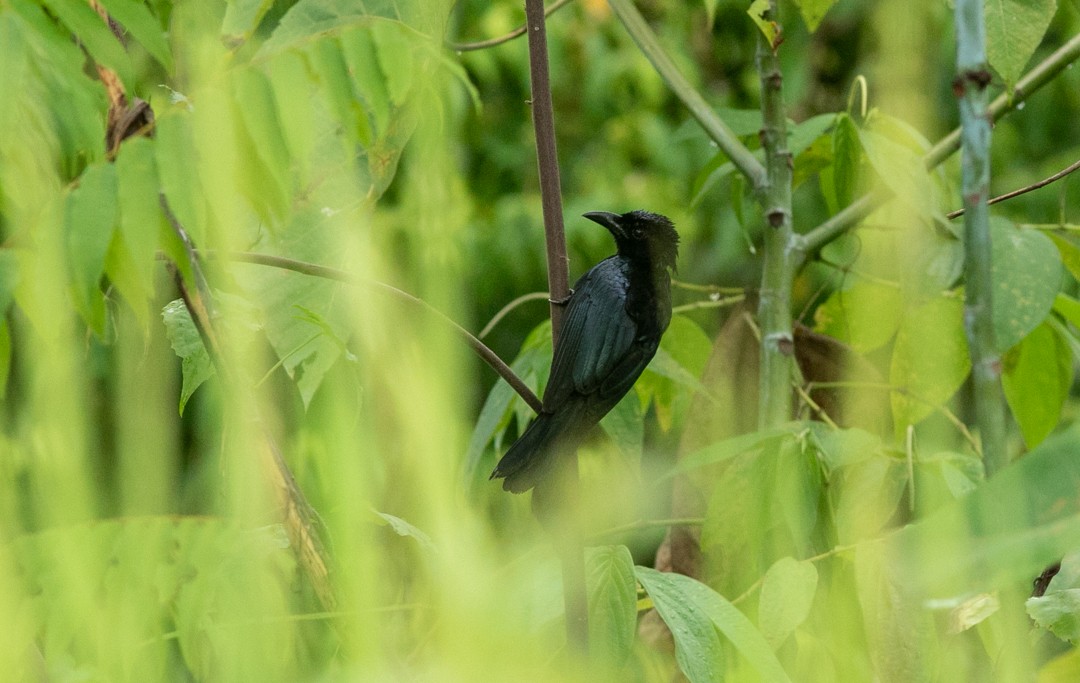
(132, 256)
(95, 35)
(800, 136)
(1064, 668)
(930, 360)
(813, 11)
(1026, 271)
(305, 318)
(1068, 308)
(729, 448)
(327, 60)
(787, 593)
(293, 90)
(1014, 28)
(839, 447)
(612, 602)
(847, 153)
(9, 278)
(1007, 530)
(694, 613)
(361, 56)
(900, 169)
(242, 17)
(5, 356)
(268, 183)
(89, 222)
(311, 19)
(177, 164)
(1036, 377)
(187, 344)
(865, 495)
(394, 44)
(626, 426)
(1068, 246)
(865, 316)
(1058, 612)
(137, 20)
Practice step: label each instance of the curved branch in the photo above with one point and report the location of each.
(713, 125)
(492, 42)
(490, 357)
(531, 296)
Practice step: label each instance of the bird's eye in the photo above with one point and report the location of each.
(639, 233)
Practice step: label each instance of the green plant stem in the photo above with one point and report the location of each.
(774, 308)
(810, 243)
(714, 127)
(972, 77)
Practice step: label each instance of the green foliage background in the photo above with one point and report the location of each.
(141, 536)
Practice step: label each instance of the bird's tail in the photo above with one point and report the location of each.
(532, 455)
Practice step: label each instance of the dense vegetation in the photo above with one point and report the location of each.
(245, 436)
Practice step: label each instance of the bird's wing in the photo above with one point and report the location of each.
(596, 338)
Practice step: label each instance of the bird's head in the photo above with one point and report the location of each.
(640, 234)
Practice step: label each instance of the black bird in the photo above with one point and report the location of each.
(612, 327)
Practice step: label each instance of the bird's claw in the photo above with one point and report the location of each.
(563, 301)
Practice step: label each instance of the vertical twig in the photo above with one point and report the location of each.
(972, 78)
(548, 162)
(774, 310)
(569, 538)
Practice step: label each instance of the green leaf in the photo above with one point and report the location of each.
(1068, 308)
(1058, 612)
(710, 10)
(293, 90)
(813, 11)
(787, 593)
(89, 221)
(625, 426)
(839, 447)
(269, 183)
(901, 170)
(327, 60)
(95, 35)
(865, 316)
(1014, 29)
(187, 344)
(5, 356)
(1037, 374)
(694, 613)
(612, 602)
(729, 448)
(242, 17)
(361, 56)
(930, 360)
(865, 495)
(394, 44)
(847, 153)
(137, 20)
(1068, 246)
(1007, 530)
(1026, 272)
(9, 278)
(132, 257)
(770, 29)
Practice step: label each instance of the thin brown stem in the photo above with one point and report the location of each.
(1024, 190)
(516, 33)
(490, 357)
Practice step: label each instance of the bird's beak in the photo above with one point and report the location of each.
(608, 220)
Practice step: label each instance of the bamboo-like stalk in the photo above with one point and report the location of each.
(972, 78)
(774, 309)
